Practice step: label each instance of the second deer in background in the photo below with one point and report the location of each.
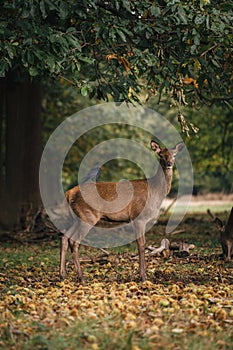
(226, 236)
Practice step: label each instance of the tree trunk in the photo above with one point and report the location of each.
(19, 195)
(2, 97)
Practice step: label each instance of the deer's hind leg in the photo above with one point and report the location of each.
(75, 240)
(65, 243)
(64, 247)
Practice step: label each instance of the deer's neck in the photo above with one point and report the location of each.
(163, 179)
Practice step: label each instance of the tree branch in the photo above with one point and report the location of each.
(209, 49)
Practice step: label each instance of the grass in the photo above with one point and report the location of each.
(215, 208)
(199, 205)
(187, 302)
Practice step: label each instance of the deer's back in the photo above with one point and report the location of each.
(114, 201)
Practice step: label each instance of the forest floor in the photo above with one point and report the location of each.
(186, 303)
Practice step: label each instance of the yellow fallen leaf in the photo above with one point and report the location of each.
(95, 346)
(158, 322)
(220, 314)
(231, 313)
(164, 302)
(64, 320)
(74, 312)
(148, 285)
(130, 325)
(130, 316)
(135, 347)
(91, 338)
(151, 330)
(33, 306)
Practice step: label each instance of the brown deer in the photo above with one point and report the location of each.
(143, 207)
(226, 236)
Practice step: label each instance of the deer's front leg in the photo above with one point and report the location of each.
(74, 249)
(64, 247)
(141, 242)
(142, 261)
(229, 250)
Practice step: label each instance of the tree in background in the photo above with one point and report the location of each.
(107, 49)
(212, 160)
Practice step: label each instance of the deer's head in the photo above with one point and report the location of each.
(167, 155)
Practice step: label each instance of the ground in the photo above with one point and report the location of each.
(186, 303)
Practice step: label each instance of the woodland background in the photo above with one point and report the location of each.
(174, 56)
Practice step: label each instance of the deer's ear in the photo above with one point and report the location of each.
(179, 146)
(155, 146)
(220, 225)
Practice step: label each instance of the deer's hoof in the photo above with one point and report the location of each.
(81, 279)
(62, 276)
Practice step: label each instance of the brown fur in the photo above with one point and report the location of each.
(226, 234)
(147, 197)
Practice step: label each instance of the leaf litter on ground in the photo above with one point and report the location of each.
(186, 303)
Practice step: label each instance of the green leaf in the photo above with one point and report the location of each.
(86, 59)
(52, 5)
(117, 5)
(121, 35)
(4, 67)
(215, 63)
(126, 5)
(208, 22)
(196, 40)
(3, 26)
(182, 14)
(63, 10)
(51, 63)
(10, 51)
(155, 10)
(33, 71)
(42, 9)
(54, 37)
(199, 19)
(30, 57)
(193, 49)
(71, 30)
(41, 55)
(84, 91)
(74, 42)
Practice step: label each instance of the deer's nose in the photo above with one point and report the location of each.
(169, 163)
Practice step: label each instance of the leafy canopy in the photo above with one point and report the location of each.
(182, 48)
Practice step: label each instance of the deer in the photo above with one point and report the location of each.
(143, 207)
(226, 234)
